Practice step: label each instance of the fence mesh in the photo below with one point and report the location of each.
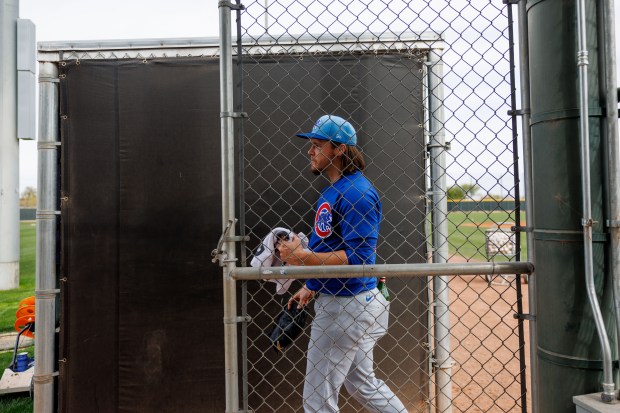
(369, 62)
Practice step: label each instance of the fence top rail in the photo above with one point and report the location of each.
(382, 270)
(209, 46)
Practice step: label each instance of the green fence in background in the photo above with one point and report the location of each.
(27, 214)
(484, 205)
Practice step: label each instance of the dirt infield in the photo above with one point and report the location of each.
(485, 344)
(490, 224)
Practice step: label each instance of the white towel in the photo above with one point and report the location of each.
(267, 255)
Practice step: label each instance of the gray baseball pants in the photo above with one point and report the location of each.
(343, 335)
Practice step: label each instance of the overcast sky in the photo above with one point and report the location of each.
(112, 19)
(115, 19)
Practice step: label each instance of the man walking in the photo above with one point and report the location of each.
(351, 314)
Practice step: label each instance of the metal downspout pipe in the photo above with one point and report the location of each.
(441, 303)
(227, 254)
(524, 57)
(613, 153)
(9, 147)
(47, 202)
(608, 394)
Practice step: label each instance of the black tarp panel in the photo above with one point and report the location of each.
(142, 325)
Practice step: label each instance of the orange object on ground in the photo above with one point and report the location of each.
(26, 301)
(25, 316)
(21, 322)
(25, 310)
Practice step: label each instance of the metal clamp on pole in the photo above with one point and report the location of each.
(446, 146)
(588, 222)
(528, 317)
(230, 5)
(237, 238)
(48, 79)
(239, 319)
(443, 364)
(46, 214)
(613, 223)
(46, 294)
(48, 145)
(521, 228)
(234, 115)
(44, 378)
(519, 112)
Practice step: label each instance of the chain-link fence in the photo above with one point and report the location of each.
(428, 86)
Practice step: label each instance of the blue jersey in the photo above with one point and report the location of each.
(347, 218)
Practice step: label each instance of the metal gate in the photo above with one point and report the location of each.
(430, 88)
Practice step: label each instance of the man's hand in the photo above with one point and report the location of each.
(291, 251)
(302, 297)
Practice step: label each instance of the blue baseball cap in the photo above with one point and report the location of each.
(332, 128)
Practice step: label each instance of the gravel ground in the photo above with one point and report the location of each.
(485, 345)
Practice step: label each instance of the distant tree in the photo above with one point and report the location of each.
(28, 198)
(455, 193)
(459, 191)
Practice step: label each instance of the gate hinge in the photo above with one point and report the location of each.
(528, 317)
(231, 5)
(217, 253)
(239, 319)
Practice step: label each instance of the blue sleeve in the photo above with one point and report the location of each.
(360, 217)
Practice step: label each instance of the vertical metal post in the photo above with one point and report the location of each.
(266, 16)
(9, 147)
(608, 394)
(441, 304)
(47, 201)
(524, 69)
(228, 259)
(517, 195)
(428, 231)
(241, 148)
(613, 153)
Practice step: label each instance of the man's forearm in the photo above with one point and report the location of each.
(321, 258)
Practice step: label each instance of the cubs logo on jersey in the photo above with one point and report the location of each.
(323, 220)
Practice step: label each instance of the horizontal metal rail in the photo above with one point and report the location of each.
(382, 270)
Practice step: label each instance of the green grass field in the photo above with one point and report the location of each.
(10, 299)
(19, 403)
(467, 233)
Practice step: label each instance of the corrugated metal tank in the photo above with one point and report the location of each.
(569, 356)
